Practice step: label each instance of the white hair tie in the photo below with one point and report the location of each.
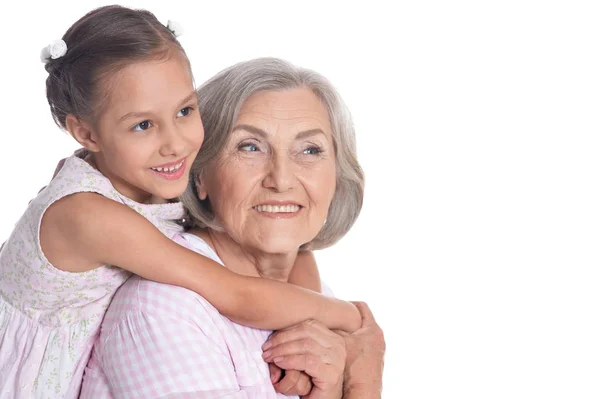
(54, 50)
(175, 28)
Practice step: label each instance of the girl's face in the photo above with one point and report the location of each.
(150, 130)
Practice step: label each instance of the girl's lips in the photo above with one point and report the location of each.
(177, 174)
(168, 165)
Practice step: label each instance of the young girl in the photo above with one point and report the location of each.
(120, 83)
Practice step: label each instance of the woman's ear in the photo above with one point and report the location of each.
(82, 132)
(201, 189)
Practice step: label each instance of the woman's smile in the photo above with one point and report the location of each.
(278, 209)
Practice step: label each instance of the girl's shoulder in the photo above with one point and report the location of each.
(75, 176)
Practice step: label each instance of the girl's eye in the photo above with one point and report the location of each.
(312, 151)
(142, 126)
(185, 111)
(249, 147)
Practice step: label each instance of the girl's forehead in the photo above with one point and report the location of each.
(148, 86)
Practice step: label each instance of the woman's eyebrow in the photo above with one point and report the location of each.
(251, 129)
(259, 132)
(311, 132)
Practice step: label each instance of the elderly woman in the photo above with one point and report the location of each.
(277, 174)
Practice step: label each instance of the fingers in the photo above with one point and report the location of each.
(341, 332)
(308, 347)
(312, 366)
(334, 353)
(309, 338)
(365, 313)
(310, 329)
(275, 373)
(294, 382)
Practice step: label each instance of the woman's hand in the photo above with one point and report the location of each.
(313, 348)
(365, 350)
(294, 382)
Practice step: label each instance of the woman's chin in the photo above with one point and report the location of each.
(279, 245)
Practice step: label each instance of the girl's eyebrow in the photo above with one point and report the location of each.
(136, 115)
(263, 134)
(188, 98)
(146, 113)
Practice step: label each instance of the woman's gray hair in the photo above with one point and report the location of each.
(220, 100)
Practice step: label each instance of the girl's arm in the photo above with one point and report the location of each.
(101, 231)
(305, 272)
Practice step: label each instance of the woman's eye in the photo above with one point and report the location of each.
(142, 126)
(312, 151)
(250, 147)
(185, 111)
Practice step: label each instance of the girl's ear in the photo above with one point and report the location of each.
(201, 189)
(82, 132)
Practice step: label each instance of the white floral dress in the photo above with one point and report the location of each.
(49, 319)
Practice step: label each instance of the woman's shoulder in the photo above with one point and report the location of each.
(150, 302)
(196, 241)
(164, 300)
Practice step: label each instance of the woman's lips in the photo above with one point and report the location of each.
(278, 211)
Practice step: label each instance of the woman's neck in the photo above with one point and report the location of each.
(248, 261)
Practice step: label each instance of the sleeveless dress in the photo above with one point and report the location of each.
(49, 318)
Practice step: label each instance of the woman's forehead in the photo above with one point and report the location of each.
(298, 109)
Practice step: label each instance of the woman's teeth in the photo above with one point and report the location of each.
(277, 208)
(171, 169)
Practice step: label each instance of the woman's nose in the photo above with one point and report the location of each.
(280, 175)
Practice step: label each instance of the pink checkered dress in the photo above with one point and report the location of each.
(159, 340)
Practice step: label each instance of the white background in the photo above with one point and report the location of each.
(478, 129)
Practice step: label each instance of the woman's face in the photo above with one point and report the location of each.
(272, 183)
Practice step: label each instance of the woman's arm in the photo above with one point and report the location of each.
(105, 232)
(365, 348)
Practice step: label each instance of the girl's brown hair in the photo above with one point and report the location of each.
(98, 45)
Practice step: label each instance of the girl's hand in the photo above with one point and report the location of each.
(313, 348)
(294, 382)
